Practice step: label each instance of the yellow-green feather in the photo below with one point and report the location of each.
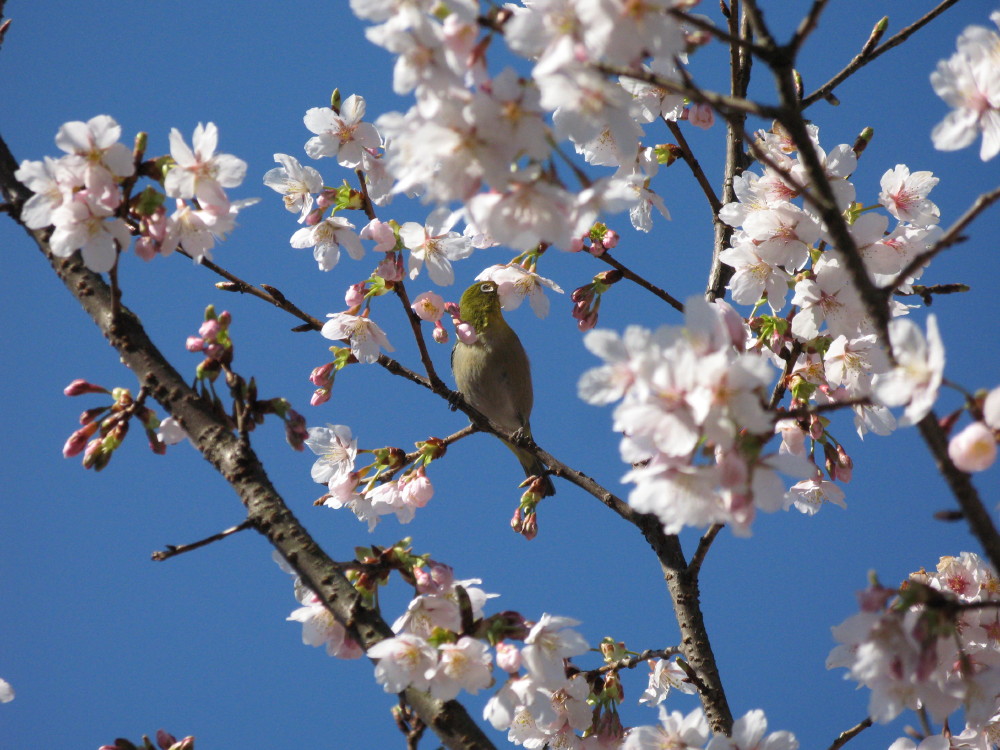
(493, 373)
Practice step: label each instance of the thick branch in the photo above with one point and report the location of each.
(740, 63)
(237, 462)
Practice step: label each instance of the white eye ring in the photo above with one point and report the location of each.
(487, 287)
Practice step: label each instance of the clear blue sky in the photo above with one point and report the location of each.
(100, 642)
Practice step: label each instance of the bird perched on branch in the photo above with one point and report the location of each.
(493, 373)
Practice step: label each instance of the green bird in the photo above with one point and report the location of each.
(493, 374)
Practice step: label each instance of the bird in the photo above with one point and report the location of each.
(493, 373)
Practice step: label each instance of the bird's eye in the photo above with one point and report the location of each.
(487, 287)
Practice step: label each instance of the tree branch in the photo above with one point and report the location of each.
(866, 56)
(239, 465)
(980, 523)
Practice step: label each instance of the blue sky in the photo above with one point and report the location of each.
(100, 642)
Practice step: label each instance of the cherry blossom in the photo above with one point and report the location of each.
(549, 642)
(90, 228)
(436, 245)
(464, 665)
(365, 336)
(905, 195)
(428, 306)
(342, 135)
(917, 376)
(675, 731)
(326, 238)
(969, 82)
(665, 675)
(749, 734)
(94, 150)
(295, 182)
(515, 284)
(403, 661)
(201, 173)
(337, 449)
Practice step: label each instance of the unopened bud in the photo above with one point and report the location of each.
(529, 529)
(845, 465)
(322, 376)
(79, 386)
(78, 440)
(815, 427)
(165, 740)
(516, 523)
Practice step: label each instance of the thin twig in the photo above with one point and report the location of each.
(949, 238)
(694, 567)
(863, 58)
(708, 26)
(418, 333)
(630, 662)
(808, 25)
(699, 174)
(717, 101)
(173, 551)
(782, 385)
(846, 736)
(640, 280)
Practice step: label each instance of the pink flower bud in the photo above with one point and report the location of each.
(610, 240)
(815, 427)
(320, 396)
(442, 575)
(79, 386)
(389, 269)
(164, 739)
(529, 529)
(417, 489)
(974, 448)
(440, 334)
(355, 295)
(845, 465)
(146, 248)
(194, 344)
(78, 440)
(508, 657)
(314, 217)
(466, 333)
(320, 376)
(516, 523)
(576, 245)
(588, 321)
(701, 116)
(209, 330)
(214, 351)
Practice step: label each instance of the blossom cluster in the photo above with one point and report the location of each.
(86, 194)
(482, 139)
(369, 493)
(693, 419)
(694, 399)
(679, 732)
(969, 81)
(933, 645)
